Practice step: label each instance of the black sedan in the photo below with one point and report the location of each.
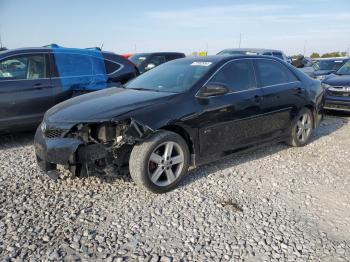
(183, 113)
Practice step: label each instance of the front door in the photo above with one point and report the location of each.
(25, 90)
(232, 120)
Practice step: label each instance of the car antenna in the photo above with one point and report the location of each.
(101, 46)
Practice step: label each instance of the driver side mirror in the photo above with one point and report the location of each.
(213, 89)
(150, 66)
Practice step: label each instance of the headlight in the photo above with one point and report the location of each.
(321, 78)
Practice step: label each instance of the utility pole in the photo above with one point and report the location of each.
(206, 48)
(240, 40)
(0, 38)
(135, 48)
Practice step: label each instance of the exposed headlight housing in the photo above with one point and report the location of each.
(325, 86)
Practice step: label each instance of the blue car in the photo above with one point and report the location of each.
(327, 66)
(337, 93)
(32, 80)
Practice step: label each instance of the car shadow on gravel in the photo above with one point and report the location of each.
(18, 139)
(329, 125)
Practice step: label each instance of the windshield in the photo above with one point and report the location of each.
(233, 52)
(176, 76)
(329, 64)
(345, 69)
(138, 59)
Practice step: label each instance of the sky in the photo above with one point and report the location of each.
(186, 26)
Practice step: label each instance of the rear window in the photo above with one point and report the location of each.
(111, 67)
(278, 55)
(138, 59)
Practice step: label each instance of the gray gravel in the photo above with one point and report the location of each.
(273, 204)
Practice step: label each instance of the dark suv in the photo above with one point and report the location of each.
(147, 61)
(34, 79)
(183, 113)
(255, 51)
(337, 87)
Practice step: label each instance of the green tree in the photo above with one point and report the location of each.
(315, 55)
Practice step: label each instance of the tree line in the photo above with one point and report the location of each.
(332, 54)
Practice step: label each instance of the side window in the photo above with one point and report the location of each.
(172, 57)
(273, 73)
(111, 67)
(236, 75)
(267, 53)
(69, 65)
(156, 60)
(278, 55)
(23, 67)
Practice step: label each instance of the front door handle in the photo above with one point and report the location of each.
(39, 86)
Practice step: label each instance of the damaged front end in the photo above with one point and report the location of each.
(90, 148)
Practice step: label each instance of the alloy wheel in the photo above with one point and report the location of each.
(304, 127)
(166, 163)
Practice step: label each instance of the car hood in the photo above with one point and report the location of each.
(338, 80)
(104, 105)
(323, 72)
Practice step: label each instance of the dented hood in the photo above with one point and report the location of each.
(104, 105)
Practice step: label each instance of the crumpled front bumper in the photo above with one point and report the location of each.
(52, 151)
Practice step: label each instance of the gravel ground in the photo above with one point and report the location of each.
(272, 204)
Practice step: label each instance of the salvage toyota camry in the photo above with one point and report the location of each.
(186, 112)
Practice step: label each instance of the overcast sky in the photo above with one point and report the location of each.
(187, 26)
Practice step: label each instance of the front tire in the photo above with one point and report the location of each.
(302, 128)
(159, 163)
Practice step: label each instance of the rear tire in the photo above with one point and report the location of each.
(159, 163)
(302, 128)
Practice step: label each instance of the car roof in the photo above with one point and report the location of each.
(253, 50)
(333, 58)
(223, 58)
(160, 53)
(48, 48)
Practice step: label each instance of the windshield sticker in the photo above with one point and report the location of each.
(142, 58)
(201, 63)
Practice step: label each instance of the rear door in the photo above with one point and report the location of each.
(232, 120)
(25, 90)
(72, 74)
(283, 94)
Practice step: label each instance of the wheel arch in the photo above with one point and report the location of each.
(314, 113)
(183, 133)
